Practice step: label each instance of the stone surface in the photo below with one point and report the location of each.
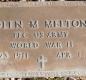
(24, 36)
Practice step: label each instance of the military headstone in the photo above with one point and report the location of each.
(42, 39)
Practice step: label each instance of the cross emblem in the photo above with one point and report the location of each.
(42, 60)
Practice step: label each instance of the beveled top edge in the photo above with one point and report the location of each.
(42, 4)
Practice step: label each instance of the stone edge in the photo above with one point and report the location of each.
(42, 4)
